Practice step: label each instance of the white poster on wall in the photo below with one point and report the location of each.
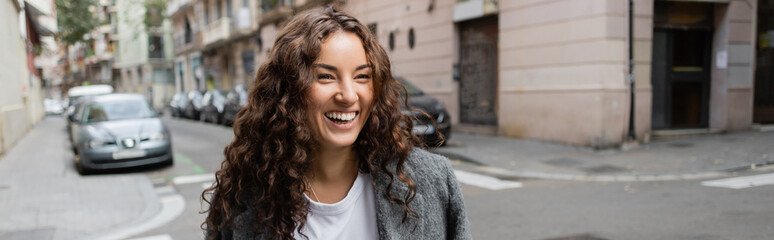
(721, 59)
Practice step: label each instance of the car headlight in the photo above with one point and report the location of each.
(439, 106)
(155, 136)
(96, 143)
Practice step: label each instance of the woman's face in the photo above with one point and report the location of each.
(342, 92)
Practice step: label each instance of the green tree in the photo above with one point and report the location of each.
(154, 14)
(74, 20)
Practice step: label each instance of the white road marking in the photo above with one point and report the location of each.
(171, 207)
(484, 181)
(206, 177)
(157, 237)
(742, 182)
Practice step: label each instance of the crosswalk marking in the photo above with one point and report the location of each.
(157, 237)
(484, 181)
(742, 182)
(205, 177)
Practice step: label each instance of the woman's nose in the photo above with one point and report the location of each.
(347, 94)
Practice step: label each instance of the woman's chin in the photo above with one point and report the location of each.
(339, 141)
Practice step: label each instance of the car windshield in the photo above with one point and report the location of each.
(412, 90)
(116, 110)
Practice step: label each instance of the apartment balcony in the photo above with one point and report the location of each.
(216, 33)
(183, 44)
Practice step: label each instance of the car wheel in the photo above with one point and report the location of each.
(169, 162)
(83, 170)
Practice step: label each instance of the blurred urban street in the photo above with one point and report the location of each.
(563, 119)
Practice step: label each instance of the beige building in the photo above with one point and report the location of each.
(548, 70)
(559, 70)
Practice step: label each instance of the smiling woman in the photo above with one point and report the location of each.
(323, 151)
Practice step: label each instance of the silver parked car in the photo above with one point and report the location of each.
(118, 131)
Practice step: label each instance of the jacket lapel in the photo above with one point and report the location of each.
(389, 215)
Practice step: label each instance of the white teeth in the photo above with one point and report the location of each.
(341, 116)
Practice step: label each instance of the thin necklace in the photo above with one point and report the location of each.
(316, 199)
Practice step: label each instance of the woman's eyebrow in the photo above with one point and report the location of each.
(362, 67)
(333, 68)
(326, 66)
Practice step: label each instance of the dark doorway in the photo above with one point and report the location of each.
(681, 78)
(763, 111)
(478, 71)
(680, 71)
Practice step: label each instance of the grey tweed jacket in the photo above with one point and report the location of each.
(438, 203)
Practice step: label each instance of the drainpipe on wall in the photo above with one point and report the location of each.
(632, 136)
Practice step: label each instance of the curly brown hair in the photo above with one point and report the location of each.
(272, 149)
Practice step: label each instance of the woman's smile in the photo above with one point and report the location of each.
(342, 119)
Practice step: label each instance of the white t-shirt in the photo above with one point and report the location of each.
(354, 217)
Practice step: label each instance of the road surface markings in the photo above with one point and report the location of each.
(206, 177)
(157, 237)
(742, 182)
(484, 181)
(172, 205)
(183, 158)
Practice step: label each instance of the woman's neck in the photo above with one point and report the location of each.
(333, 173)
(333, 164)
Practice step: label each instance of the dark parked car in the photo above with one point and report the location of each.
(435, 127)
(213, 103)
(235, 100)
(177, 105)
(118, 131)
(193, 104)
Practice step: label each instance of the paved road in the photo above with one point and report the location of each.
(533, 209)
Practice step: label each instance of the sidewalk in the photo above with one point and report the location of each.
(43, 197)
(699, 157)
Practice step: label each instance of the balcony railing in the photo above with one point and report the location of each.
(216, 32)
(180, 45)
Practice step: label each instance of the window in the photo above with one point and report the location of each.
(206, 13)
(372, 28)
(220, 9)
(188, 34)
(228, 8)
(155, 47)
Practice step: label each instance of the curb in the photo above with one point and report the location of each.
(502, 173)
(163, 204)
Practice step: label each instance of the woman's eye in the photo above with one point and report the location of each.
(324, 76)
(364, 76)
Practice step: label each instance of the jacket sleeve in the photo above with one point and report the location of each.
(458, 226)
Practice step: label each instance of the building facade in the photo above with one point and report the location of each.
(144, 51)
(560, 70)
(219, 43)
(21, 95)
(566, 71)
